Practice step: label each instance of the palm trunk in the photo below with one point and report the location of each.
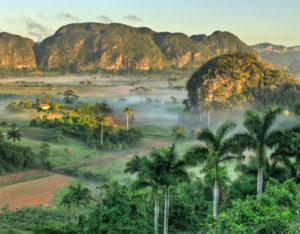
(260, 181)
(216, 198)
(102, 133)
(156, 215)
(127, 118)
(166, 218)
(77, 216)
(200, 114)
(208, 119)
(296, 176)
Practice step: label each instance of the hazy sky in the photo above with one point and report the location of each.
(253, 21)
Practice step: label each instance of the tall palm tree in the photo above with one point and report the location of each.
(171, 170)
(15, 134)
(148, 176)
(76, 197)
(259, 137)
(128, 112)
(217, 149)
(101, 118)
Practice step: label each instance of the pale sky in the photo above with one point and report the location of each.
(253, 21)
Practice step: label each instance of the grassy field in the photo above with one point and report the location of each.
(156, 113)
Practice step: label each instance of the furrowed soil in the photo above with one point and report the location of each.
(32, 193)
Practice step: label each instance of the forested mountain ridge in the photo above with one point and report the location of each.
(95, 47)
(278, 54)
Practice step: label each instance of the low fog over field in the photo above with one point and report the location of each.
(154, 101)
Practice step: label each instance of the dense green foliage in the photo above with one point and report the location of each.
(76, 198)
(15, 157)
(89, 130)
(95, 109)
(276, 211)
(121, 210)
(189, 197)
(39, 220)
(237, 78)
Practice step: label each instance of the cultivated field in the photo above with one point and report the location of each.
(37, 192)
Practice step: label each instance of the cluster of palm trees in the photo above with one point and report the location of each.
(102, 118)
(160, 171)
(163, 168)
(76, 197)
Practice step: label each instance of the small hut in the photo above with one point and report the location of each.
(44, 107)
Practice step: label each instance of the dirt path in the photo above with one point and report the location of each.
(32, 193)
(23, 176)
(147, 147)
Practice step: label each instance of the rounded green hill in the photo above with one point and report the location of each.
(237, 78)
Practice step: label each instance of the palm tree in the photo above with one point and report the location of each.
(76, 197)
(171, 170)
(148, 176)
(15, 134)
(101, 119)
(128, 112)
(217, 149)
(259, 136)
(288, 148)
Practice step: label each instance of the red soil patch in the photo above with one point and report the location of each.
(32, 193)
(23, 176)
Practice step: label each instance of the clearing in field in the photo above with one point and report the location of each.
(32, 193)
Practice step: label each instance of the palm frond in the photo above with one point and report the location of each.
(244, 140)
(253, 122)
(134, 165)
(208, 137)
(195, 155)
(269, 118)
(275, 137)
(141, 183)
(230, 145)
(228, 158)
(224, 130)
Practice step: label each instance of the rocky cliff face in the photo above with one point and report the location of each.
(95, 46)
(115, 47)
(16, 52)
(278, 54)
